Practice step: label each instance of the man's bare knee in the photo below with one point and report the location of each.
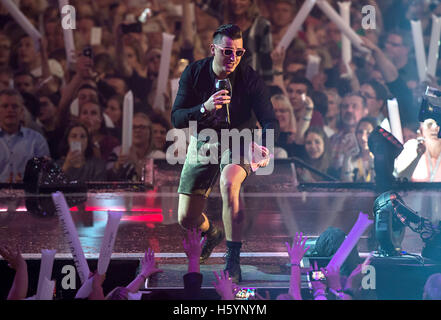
(190, 211)
(229, 187)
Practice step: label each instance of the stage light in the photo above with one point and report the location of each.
(392, 216)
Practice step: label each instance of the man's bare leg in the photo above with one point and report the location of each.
(233, 217)
(190, 215)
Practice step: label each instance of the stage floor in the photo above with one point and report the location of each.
(150, 221)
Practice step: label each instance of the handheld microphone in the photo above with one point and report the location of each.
(224, 84)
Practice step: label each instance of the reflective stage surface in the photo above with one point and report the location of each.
(275, 209)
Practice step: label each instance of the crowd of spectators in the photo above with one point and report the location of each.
(73, 112)
(338, 283)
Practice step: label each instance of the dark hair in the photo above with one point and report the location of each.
(160, 119)
(299, 78)
(380, 90)
(88, 86)
(64, 145)
(104, 61)
(274, 90)
(13, 93)
(320, 100)
(322, 163)
(25, 73)
(371, 120)
(231, 31)
(53, 97)
(103, 129)
(356, 94)
(327, 245)
(405, 37)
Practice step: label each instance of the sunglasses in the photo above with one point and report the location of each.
(228, 52)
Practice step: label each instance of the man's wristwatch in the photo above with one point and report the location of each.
(203, 110)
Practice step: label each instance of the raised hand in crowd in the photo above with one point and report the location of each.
(97, 286)
(304, 117)
(193, 247)
(384, 65)
(15, 261)
(224, 285)
(278, 58)
(148, 268)
(296, 253)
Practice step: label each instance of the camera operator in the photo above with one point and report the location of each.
(420, 159)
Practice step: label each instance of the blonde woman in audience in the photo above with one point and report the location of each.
(288, 125)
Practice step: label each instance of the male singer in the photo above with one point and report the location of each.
(197, 100)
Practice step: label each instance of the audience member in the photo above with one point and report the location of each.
(19, 144)
(48, 119)
(77, 157)
(376, 99)
(316, 155)
(359, 166)
(288, 126)
(297, 88)
(432, 288)
(91, 116)
(130, 166)
(332, 117)
(353, 107)
(420, 158)
(160, 127)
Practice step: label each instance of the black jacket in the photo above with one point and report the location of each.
(249, 98)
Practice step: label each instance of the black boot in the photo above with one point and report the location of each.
(214, 237)
(232, 258)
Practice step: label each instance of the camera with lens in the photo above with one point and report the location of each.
(431, 107)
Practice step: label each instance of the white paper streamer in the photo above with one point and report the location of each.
(47, 290)
(71, 234)
(113, 219)
(108, 241)
(296, 24)
(346, 49)
(95, 36)
(69, 44)
(46, 265)
(192, 17)
(313, 66)
(420, 53)
(342, 25)
(127, 125)
(394, 119)
(164, 70)
(21, 19)
(351, 240)
(434, 46)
